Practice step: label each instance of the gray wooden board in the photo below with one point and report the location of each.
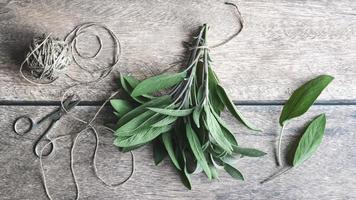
(329, 174)
(284, 43)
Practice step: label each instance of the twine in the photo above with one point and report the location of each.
(47, 60)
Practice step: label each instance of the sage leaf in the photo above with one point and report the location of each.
(303, 98)
(168, 143)
(159, 152)
(131, 148)
(157, 83)
(196, 115)
(215, 100)
(234, 173)
(215, 130)
(214, 172)
(159, 101)
(170, 112)
(232, 109)
(185, 175)
(165, 121)
(310, 140)
(121, 106)
(196, 149)
(229, 136)
(133, 82)
(140, 136)
(249, 152)
(129, 128)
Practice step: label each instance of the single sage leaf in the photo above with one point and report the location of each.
(214, 172)
(133, 82)
(310, 140)
(249, 152)
(159, 152)
(121, 106)
(215, 100)
(168, 143)
(196, 149)
(165, 121)
(234, 173)
(140, 136)
(229, 136)
(215, 130)
(196, 115)
(157, 83)
(232, 109)
(185, 176)
(303, 98)
(171, 112)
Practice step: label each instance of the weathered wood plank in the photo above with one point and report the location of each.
(329, 174)
(284, 43)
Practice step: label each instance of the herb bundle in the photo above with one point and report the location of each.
(184, 123)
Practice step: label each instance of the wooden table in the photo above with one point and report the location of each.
(283, 44)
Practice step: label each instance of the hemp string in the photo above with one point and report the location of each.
(88, 125)
(71, 41)
(227, 40)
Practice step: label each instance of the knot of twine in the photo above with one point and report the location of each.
(47, 58)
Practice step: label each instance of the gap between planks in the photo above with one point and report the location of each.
(237, 103)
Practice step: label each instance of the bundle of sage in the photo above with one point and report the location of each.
(185, 122)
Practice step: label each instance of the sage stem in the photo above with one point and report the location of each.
(279, 161)
(273, 176)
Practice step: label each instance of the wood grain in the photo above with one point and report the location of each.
(284, 43)
(329, 174)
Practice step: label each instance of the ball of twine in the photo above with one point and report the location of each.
(48, 57)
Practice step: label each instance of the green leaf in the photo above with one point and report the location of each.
(214, 172)
(249, 152)
(185, 177)
(132, 81)
(130, 127)
(165, 121)
(157, 83)
(197, 149)
(159, 101)
(168, 143)
(140, 136)
(124, 84)
(216, 132)
(303, 98)
(159, 152)
(234, 173)
(121, 106)
(310, 140)
(218, 104)
(196, 115)
(171, 112)
(229, 136)
(231, 107)
(131, 148)
(128, 83)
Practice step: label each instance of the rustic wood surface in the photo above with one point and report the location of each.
(329, 174)
(284, 43)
